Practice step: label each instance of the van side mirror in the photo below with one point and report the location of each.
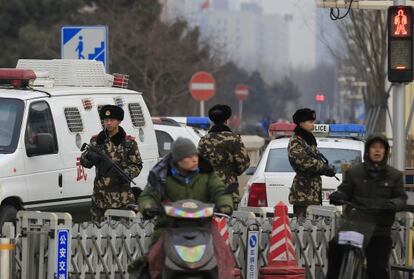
(250, 171)
(43, 145)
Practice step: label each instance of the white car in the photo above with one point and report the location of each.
(167, 130)
(273, 176)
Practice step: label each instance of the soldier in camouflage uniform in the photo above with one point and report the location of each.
(224, 149)
(306, 160)
(111, 191)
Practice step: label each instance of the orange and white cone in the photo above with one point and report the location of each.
(222, 227)
(282, 256)
(221, 224)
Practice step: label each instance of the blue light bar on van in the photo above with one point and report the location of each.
(347, 130)
(198, 121)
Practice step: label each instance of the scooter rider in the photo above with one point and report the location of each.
(180, 175)
(378, 188)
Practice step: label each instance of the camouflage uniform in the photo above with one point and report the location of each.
(307, 185)
(227, 154)
(111, 191)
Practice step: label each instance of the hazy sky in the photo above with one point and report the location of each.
(302, 33)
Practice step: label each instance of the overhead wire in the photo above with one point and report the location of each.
(335, 13)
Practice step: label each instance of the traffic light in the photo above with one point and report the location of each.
(320, 98)
(400, 44)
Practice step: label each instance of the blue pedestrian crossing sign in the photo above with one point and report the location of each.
(85, 42)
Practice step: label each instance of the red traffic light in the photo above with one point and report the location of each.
(400, 44)
(400, 21)
(320, 98)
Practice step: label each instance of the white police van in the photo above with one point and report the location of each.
(271, 181)
(48, 108)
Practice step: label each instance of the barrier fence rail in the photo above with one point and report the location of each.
(47, 245)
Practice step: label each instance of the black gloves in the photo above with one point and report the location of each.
(150, 212)
(225, 209)
(330, 171)
(92, 157)
(389, 206)
(337, 198)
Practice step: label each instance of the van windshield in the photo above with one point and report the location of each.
(278, 158)
(11, 112)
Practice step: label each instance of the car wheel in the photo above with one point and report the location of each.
(7, 214)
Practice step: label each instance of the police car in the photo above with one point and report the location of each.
(272, 179)
(48, 108)
(168, 129)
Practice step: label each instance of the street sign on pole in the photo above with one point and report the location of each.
(242, 92)
(85, 42)
(202, 88)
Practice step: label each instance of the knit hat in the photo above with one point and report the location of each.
(111, 111)
(304, 114)
(182, 148)
(219, 113)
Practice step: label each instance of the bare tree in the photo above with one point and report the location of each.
(366, 40)
(160, 57)
(364, 34)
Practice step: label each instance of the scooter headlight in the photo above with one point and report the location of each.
(190, 254)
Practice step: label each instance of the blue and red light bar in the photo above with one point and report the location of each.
(277, 130)
(198, 121)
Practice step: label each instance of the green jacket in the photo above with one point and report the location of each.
(163, 187)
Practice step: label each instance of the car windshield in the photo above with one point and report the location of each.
(278, 158)
(11, 111)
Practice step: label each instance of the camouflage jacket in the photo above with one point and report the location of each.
(111, 191)
(307, 185)
(226, 153)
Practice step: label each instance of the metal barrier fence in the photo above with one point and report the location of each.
(48, 245)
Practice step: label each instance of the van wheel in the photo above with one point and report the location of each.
(7, 214)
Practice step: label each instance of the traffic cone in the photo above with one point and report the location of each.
(222, 227)
(282, 262)
(221, 224)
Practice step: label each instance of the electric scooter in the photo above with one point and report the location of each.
(188, 243)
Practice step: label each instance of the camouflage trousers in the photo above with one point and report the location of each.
(97, 214)
(104, 198)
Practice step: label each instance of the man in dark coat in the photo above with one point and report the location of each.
(377, 190)
(308, 164)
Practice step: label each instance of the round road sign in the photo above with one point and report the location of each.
(202, 86)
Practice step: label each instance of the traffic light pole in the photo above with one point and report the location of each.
(398, 129)
(398, 119)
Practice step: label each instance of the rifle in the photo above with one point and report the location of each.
(105, 158)
(325, 160)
